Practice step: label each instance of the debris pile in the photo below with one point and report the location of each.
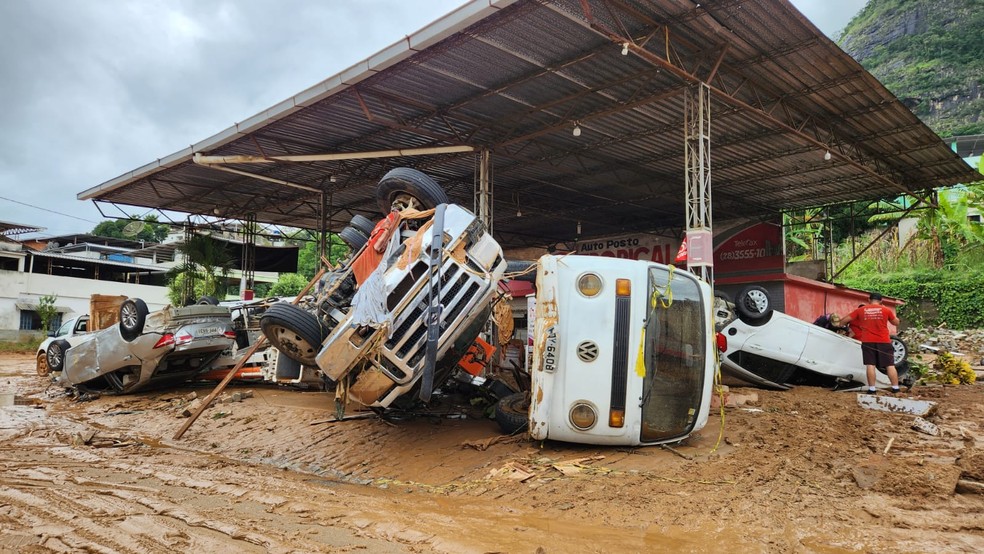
(968, 343)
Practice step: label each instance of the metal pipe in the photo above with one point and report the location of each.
(210, 160)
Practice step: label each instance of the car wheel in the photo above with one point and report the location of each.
(899, 350)
(208, 301)
(293, 331)
(133, 315)
(363, 224)
(353, 238)
(753, 305)
(403, 187)
(56, 355)
(512, 413)
(42, 365)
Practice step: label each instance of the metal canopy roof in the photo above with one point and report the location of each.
(516, 76)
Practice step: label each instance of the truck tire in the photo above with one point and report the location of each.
(353, 238)
(363, 224)
(293, 331)
(133, 315)
(208, 301)
(56, 354)
(754, 306)
(407, 187)
(512, 413)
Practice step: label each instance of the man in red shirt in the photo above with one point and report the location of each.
(870, 322)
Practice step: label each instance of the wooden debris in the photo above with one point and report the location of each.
(888, 446)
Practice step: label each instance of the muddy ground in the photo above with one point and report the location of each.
(798, 471)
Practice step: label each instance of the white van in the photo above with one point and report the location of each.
(623, 352)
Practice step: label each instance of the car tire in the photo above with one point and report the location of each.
(900, 350)
(293, 331)
(353, 238)
(363, 224)
(208, 301)
(133, 315)
(408, 188)
(56, 354)
(723, 296)
(754, 306)
(512, 413)
(42, 365)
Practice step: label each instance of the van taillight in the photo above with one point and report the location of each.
(165, 340)
(722, 342)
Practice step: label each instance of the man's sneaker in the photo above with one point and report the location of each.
(871, 390)
(896, 390)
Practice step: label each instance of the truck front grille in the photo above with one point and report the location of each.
(460, 290)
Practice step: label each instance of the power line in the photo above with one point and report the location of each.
(45, 209)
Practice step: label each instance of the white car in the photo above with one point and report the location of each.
(72, 331)
(768, 348)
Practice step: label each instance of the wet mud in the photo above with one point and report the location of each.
(805, 470)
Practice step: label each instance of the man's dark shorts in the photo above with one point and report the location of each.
(878, 354)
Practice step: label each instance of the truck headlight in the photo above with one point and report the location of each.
(583, 416)
(589, 284)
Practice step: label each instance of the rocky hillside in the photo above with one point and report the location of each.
(929, 53)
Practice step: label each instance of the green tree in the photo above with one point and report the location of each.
(289, 284)
(47, 311)
(151, 231)
(205, 261)
(308, 260)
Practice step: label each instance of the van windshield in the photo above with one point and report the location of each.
(674, 356)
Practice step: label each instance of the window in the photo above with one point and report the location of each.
(31, 321)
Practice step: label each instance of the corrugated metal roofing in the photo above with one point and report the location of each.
(515, 76)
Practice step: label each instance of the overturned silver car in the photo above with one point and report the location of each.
(144, 349)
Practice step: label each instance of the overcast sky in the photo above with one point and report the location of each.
(91, 89)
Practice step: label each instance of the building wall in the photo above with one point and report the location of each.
(73, 293)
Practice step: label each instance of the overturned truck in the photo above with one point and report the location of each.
(392, 322)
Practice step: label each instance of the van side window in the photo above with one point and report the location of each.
(83, 326)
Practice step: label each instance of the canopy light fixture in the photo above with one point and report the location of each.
(625, 49)
(577, 129)
(826, 156)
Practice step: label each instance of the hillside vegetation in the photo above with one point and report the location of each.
(929, 53)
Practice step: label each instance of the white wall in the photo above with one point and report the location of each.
(72, 292)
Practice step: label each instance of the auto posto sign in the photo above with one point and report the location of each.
(633, 247)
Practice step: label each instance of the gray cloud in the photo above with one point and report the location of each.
(93, 89)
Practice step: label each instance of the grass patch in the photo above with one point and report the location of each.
(20, 347)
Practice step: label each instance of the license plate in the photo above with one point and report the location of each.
(208, 331)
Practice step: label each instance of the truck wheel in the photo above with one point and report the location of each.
(42, 366)
(363, 224)
(754, 306)
(56, 355)
(133, 315)
(208, 301)
(404, 187)
(512, 413)
(293, 331)
(353, 238)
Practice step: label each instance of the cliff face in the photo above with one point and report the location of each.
(929, 53)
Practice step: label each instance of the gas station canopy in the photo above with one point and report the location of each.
(581, 106)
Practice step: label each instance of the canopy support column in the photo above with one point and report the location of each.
(483, 194)
(697, 159)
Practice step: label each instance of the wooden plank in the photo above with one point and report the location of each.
(104, 310)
